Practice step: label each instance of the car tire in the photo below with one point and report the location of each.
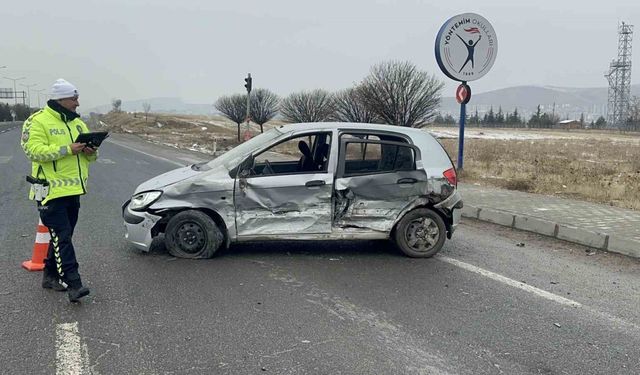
(192, 234)
(420, 233)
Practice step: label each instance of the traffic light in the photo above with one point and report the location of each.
(247, 85)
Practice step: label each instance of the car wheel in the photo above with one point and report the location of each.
(192, 234)
(420, 233)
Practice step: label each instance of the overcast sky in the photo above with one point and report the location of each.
(201, 49)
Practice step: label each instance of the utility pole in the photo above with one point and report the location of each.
(38, 91)
(29, 91)
(15, 97)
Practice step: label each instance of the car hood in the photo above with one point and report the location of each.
(166, 179)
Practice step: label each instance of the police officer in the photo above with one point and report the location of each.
(48, 141)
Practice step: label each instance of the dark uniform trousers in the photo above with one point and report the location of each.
(60, 215)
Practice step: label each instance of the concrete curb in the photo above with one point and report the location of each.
(601, 241)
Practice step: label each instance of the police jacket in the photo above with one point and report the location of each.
(46, 139)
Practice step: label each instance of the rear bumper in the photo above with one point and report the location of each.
(456, 215)
(454, 205)
(138, 227)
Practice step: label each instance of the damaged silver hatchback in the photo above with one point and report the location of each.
(314, 181)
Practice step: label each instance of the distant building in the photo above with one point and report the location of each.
(569, 124)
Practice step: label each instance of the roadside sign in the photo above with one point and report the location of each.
(466, 47)
(463, 93)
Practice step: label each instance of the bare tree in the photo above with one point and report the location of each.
(234, 108)
(146, 107)
(400, 94)
(116, 103)
(264, 106)
(349, 107)
(307, 106)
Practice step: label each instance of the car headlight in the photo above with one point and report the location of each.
(140, 202)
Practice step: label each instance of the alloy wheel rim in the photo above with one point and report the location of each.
(422, 234)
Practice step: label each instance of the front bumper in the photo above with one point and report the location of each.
(138, 227)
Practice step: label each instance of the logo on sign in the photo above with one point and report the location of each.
(466, 47)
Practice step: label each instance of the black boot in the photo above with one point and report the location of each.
(50, 280)
(76, 290)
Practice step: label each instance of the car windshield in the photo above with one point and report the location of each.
(233, 157)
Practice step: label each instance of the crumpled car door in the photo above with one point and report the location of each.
(284, 205)
(373, 199)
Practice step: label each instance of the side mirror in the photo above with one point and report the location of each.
(244, 169)
(244, 173)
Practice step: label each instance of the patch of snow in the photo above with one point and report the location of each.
(502, 135)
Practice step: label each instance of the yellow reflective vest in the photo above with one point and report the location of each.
(46, 139)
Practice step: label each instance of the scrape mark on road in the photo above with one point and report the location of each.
(390, 336)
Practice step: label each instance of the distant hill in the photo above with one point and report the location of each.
(164, 105)
(569, 102)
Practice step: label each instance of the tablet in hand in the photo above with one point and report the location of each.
(92, 139)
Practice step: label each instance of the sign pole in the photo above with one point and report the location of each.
(463, 116)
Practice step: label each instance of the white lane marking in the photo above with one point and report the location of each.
(105, 161)
(70, 354)
(542, 293)
(511, 282)
(151, 155)
(5, 159)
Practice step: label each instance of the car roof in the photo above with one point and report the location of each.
(438, 157)
(412, 132)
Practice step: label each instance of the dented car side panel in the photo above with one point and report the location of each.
(281, 205)
(374, 201)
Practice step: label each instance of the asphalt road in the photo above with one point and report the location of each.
(483, 306)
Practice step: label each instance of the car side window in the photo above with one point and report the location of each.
(369, 157)
(306, 153)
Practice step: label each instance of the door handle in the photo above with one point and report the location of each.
(314, 183)
(407, 180)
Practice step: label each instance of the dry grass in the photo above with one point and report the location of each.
(593, 169)
(192, 132)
